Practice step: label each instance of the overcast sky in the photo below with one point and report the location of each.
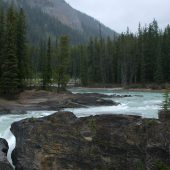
(120, 14)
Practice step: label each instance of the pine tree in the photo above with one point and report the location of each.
(83, 67)
(75, 62)
(62, 76)
(141, 47)
(166, 54)
(109, 62)
(166, 102)
(102, 60)
(47, 70)
(158, 65)
(2, 38)
(21, 49)
(90, 61)
(9, 79)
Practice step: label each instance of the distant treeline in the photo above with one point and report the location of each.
(140, 58)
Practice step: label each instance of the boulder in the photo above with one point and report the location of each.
(92, 99)
(4, 164)
(164, 115)
(111, 142)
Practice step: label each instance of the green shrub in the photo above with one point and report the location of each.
(159, 165)
(32, 119)
(166, 101)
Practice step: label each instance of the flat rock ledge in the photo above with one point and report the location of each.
(4, 164)
(106, 142)
(32, 100)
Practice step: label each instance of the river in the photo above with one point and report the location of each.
(145, 104)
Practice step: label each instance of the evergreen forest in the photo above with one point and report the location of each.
(142, 58)
(129, 59)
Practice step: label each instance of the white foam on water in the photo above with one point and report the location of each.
(11, 142)
(145, 104)
(147, 111)
(81, 112)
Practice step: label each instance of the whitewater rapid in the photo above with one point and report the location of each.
(145, 104)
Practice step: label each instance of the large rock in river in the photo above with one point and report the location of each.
(106, 142)
(4, 164)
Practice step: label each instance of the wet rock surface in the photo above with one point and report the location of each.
(77, 101)
(105, 95)
(42, 100)
(106, 142)
(4, 164)
(93, 99)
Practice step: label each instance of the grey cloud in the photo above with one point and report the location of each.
(120, 14)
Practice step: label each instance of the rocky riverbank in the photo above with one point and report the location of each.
(4, 164)
(43, 100)
(105, 142)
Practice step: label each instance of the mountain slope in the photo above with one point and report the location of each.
(56, 17)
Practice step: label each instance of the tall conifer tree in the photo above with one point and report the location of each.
(21, 48)
(10, 81)
(47, 70)
(2, 36)
(62, 76)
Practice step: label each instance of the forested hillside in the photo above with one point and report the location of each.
(129, 59)
(55, 17)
